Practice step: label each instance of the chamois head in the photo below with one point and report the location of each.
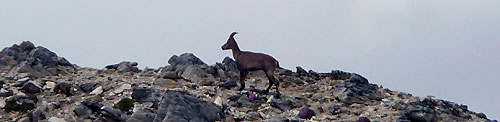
(231, 43)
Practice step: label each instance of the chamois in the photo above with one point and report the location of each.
(249, 61)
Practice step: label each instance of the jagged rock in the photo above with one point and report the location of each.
(6, 93)
(228, 84)
(31, 88)
(185, 59)
(97, 91)
(35, 61)
(285, 103)
(93, 105)
(306, 113)
(252, 116)
(63, 87)
(229, 65)
(301, 71)
(89, 87)
(124, 66)
(20, 103)
(363, 119)
(110, 113)
(82, 111)
(168, 75)
(168, 83)
(194, 73)
(122, 88)
(245, 101)
(145, 94)
(37, 115)
(49, 85)
(357, 90)
(24, 119)
(335, 109)
(178, 107)
(55, 119)
(142, 115)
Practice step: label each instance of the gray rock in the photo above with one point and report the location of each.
(286, 103)
(93, 105)
(185, 59)
(6, 93)
(168, 75)
(110, 113)
(37, 115)
(252, 116)
(35, 61)
(63, 87)
(178, 107)
(336, 109)
(89, 87)
(194, 73)
(82, 111)
(357, 90)
(125, 66)
(142, 115)
(31, 88)
(145, 94)
(301, 71)
(20, 103)
(228, 84)
(55, 119)
(229, 65)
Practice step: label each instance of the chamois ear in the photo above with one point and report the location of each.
(234, 33)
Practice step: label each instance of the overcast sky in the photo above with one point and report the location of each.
(445, 48)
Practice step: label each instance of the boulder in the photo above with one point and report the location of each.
(176, 106)
(285, 103)
(31, 88)
(142, 115)
(89, 87)
(194, 73)
(63, 87)
(146, 94)
(110, 114)
(35, 61)
(185, 59)
(124, 66)
(229, 65)
(82, 111)
(228, 84)
(20, 103)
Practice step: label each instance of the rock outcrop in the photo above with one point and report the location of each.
(190, 90)
(33, 61)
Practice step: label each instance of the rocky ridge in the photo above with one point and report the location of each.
(37, 85)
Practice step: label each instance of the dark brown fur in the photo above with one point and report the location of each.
(249, 61)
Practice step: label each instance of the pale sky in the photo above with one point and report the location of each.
(445, 48)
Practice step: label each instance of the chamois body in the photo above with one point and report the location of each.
(249, 61)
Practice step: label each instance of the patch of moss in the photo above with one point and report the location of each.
(125, 104)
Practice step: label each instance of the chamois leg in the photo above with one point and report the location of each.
(272, 80)
(243, 74)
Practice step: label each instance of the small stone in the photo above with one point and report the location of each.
(82, 111)
(218, 101)
(228, 84)
(88, 87)
(111, 114)
(55, 119)
(122, 88)
(63, 87)
(97, 91)
(306, 113)
(31, 88)
(363, 119)
(49, 85)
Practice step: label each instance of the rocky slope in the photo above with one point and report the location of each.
(37, 85)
